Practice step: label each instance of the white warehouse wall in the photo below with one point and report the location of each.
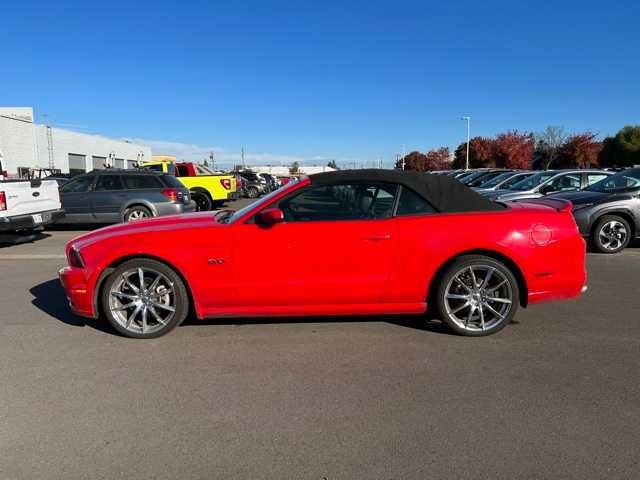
(25, 144)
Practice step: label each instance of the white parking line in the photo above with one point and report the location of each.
(32, 257)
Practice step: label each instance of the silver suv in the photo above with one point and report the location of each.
(113, 196)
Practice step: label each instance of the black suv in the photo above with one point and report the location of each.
(608, 212)
(115, 195)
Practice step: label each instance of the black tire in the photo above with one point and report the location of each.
(203, 201)
(131, 213)
(179, 292)
(252, 192)
(446, 309)
(606, 239)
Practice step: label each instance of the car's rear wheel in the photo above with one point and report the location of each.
(477, 296)
(611, 234)
(137, 212)
(144, 298)
(203, 201)
(252, 192)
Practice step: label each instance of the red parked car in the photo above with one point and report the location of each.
(357, 242)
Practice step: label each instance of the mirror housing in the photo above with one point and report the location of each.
(270, 216)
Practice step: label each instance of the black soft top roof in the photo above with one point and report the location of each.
(446, 194)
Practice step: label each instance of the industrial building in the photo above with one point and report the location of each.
(25, 145)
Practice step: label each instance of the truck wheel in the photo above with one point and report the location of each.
(203, 201)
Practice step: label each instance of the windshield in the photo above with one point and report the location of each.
(533, 181)
(492, 182)
(263, 201)
(618, 182)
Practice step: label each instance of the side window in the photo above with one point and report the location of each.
(183, 171)
(340, 202)
(595, 177)
(78, 185)
(108, 182)
(564, 183)
(137, 182)
(154, 168)
(411, 203)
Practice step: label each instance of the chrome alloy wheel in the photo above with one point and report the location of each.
(478, 298)
(613, 235)
(137, 215)
(142, 300)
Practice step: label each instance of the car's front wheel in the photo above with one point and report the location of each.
(611, 234)
(477, 296)
(144, 298)
(252, 192)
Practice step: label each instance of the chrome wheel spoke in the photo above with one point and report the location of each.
(163, 306)
(457, 309)
(462, 284)
(144, 319)
(487, 278)
(481, 316)
(125, 306)
(155, 315)
(456, 296)
(494, 311)
(498, 299)
(128, 296)
(141, 279)
(473, 278)
(133, 315)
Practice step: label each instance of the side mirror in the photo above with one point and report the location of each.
(269, 217)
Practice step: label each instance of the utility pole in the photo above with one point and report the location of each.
(213, 160)
(242, 156)
(468, 120)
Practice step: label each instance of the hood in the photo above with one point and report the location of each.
(149, 227)
(512, 194)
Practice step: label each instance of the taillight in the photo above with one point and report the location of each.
(3, 201)
(172, 194)
(74, 258)
(226, 183)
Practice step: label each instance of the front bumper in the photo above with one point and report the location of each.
(31, 221)
(74, 282)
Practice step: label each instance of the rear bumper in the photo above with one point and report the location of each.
(163, 209)
(75, 286)
(28, 222)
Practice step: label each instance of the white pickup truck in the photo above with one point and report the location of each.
(27, 204)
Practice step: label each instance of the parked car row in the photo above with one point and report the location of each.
(606, 203)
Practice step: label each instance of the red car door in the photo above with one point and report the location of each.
(325, 253)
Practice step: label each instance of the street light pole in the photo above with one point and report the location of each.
(468, 119)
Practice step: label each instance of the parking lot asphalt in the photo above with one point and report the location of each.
(555, 395)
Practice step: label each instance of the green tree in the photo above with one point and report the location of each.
(333, 164)
(623, 149)
(294, 168)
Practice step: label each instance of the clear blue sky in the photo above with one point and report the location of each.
(346, 80)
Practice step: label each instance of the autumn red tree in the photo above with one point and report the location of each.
(513, 150)
(438, 159)
(481, 153)
(579, 151)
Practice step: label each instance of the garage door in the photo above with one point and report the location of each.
(118, 163)
(98, 162)
(77, 163)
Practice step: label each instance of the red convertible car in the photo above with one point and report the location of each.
(356, 242)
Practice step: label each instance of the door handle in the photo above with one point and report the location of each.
(376, 237)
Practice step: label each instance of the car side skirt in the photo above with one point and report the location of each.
(316, 310)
